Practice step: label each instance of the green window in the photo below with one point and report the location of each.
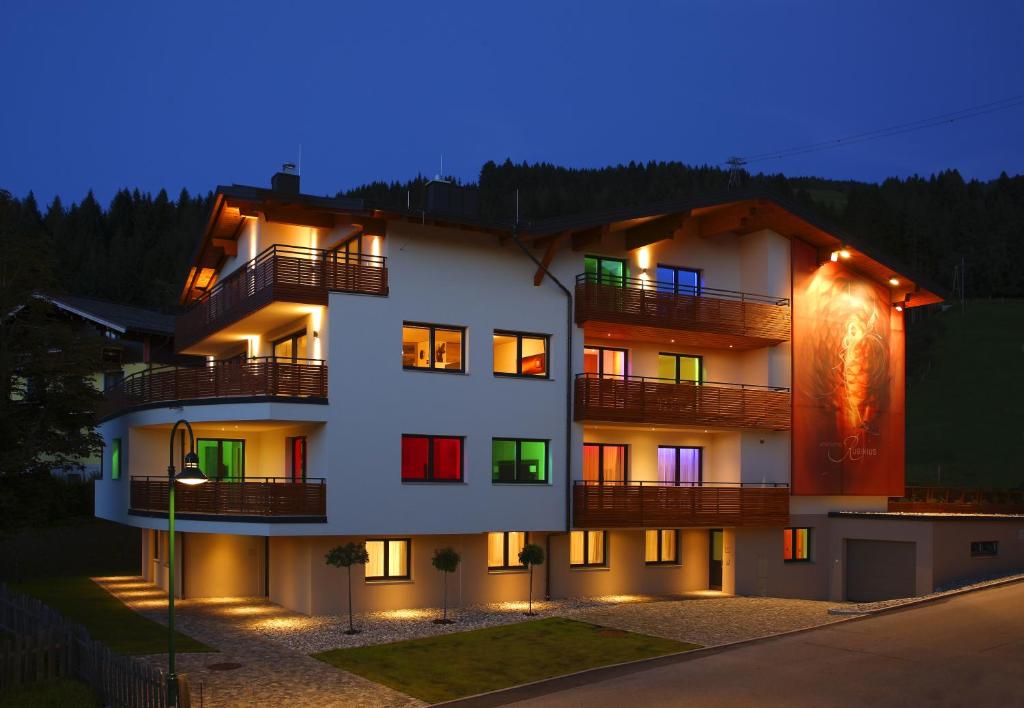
(680, 368)
(115, 458)
(222, 460)
(519, 461)
(606, 271)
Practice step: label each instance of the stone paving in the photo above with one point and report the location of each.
(271, 674)
(713, 620)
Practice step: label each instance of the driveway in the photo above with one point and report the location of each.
(964, 651)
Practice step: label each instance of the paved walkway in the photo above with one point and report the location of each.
(270, 674)
(964, 651)
(714, 619)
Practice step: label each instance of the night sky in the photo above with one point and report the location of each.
(150, 95)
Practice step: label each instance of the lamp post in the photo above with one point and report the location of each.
(190, 474)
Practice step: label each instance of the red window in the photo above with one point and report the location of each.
(296, 463)
(432, 458)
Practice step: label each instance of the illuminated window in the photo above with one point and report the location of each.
(503, 549)
(680, 465)
(292, 347)
(984, 548)
(680, 368)
(431, 458)
(389, 559)
(605, 464)
(295, 459)
(587, 549)
(518, 460)
(661, 547)
(796, 545)
(115, 458)
(222, 460)
(605, 271)
(517, 354)
(606, 362)
(433, 347)
(682, 281)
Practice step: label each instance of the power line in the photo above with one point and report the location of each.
(899, 129)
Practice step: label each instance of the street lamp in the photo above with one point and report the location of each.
(191, 475)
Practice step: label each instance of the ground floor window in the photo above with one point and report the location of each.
(796, 545)
(984, 548)
(503, 549)
(222, 460)
(587, 549)
(389, 559)
(662, 547)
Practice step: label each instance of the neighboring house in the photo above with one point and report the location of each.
(136, 339)
(716, 379)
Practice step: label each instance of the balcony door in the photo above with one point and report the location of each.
(295, 459)
(681, 281)
(291, 348)
(222, 460)
(680, 465)
(605, 464)
(680, 368)
(605, 271)
(606, 362)
(715, 538)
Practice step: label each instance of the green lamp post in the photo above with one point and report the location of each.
(190, 474)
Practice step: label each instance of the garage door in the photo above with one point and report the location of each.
(879, 570)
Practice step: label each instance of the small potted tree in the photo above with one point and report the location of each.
(531, 555)
(445, 560)
(345, 557)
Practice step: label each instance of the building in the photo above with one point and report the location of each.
(667, 398)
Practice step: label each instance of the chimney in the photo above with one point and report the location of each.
(287, 180)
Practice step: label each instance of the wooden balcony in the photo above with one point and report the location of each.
(710, 404)
(276, 499)
(256, 378)
(280, 274)
(666, 505)
(949, 500)
(629, 308)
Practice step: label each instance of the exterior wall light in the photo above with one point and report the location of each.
(894, 281)
(834, 257)
(844, 254)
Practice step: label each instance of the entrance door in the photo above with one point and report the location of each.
(715, 559)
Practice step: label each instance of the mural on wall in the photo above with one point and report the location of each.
(848, 398)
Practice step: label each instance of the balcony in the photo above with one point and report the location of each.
(289, 274)
(948, 500)
(257, 378)
(666, 505)
(631, 308)
(710, 404)
(262, 499)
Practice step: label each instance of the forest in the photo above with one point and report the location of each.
(136, 249)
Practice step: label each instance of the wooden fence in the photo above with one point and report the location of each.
(37, 643)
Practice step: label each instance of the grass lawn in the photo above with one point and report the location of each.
(455, 665)
(55, 693)
(81, 600)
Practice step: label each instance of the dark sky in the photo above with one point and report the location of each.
(172, 94)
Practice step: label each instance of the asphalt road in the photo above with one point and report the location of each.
(964, 651)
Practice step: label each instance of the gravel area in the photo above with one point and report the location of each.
(861, 608)
(320, 633)
(713, 621)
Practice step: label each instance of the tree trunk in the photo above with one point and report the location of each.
(444, 591)
(351, 629)
(530, 593)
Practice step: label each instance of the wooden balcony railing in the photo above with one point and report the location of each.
(667, 505)
(259, 498)
(280, 273)
(637, 306)
(949, 500)
(264, 376)
(643, 399)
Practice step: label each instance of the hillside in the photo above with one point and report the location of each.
(965, 425)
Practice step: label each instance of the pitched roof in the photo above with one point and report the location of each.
(112, 315)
